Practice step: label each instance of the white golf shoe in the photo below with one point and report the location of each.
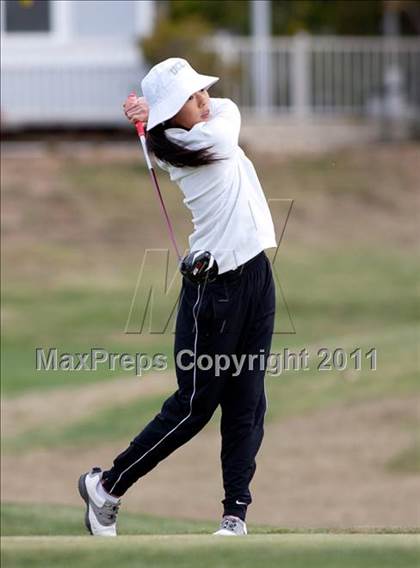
(231, 526)
(101, 513)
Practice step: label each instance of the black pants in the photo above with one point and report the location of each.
(232, 316)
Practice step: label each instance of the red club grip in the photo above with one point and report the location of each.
(140, 128)
(139, 125)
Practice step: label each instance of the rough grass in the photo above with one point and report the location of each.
(289, 395)
(70, 284)
(407, 460)
(75, 235)
(343, 299)
(90, 430)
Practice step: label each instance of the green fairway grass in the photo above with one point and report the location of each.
(57, 520)
(193, 551)
(51, 536)
(19, 519)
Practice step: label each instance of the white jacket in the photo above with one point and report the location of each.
(229, 211)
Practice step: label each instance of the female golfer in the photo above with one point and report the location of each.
(224, 324)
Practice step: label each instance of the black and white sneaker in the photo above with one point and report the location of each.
(231, 526)
(101, 513)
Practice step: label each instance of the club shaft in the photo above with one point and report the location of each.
(140, 132)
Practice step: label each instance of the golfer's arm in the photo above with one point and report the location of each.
(221, 131)
(224, 126)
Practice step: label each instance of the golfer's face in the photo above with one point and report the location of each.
(195, 110)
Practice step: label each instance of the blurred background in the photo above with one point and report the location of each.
(330, 98)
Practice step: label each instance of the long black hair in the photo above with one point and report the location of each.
(172, 153)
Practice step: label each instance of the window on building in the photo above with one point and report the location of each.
(27, 16)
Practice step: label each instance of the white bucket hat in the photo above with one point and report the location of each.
(167, 87)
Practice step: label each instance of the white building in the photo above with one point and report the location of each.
(70, 62)
(73, 62)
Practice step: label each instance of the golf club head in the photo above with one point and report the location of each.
(199, 266)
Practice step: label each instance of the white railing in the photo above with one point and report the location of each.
(85, 83)
(309, 74)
